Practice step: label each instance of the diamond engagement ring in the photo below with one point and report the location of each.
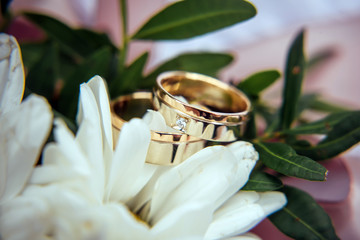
(166, 148)
(201, 106)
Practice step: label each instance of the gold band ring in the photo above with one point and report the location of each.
(165, 148)
(200, 105)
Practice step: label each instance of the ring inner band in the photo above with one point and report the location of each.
(129, 106)
(136, 104)
(166, 148)
(205, 94)
(206, 99)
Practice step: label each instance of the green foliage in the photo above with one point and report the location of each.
(186, 19)
(68, 57)
(294, 73)
(322, 126)
(96, 64)
(78, 54)
(320, 58)
(205, 63)
(314, 102)
(342, 135)
(303, 218)
(130, 78)
(283, 159)
(44, 73)
(258, 82)
(81, 42)
(324, 106)
(32, 52)
(261, 182)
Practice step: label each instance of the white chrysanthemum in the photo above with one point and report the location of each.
(23, 127)
(85, 190)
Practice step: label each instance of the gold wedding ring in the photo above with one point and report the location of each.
(166, 148)
(201, 106)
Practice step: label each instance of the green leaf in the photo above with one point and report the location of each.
(82, 42)
(186, 19)
(68, 64)
(268, 114)
(257, 82)
(344, 133)
(283, 159)
(320, 58)
(97, 64)
(44, 73)
(32, 52)
(322, 126)
(294, 73)
(205, 63)
(134, 73)
(313, 102)
(303, 218)
(325, 106)
(304, 103)
(94, 40)
(260, 181)
(130, 79)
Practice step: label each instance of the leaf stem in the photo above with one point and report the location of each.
(125, 38)
(268, 136)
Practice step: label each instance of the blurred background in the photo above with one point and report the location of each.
(259, 43)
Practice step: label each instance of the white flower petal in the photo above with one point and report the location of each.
(56, 166)
(89, 135)
(188, 221)
(50, 174)
(213, 174)
(272, 201)
(156, 122)
(22, 135)
(77, 160)
(128, 172)
(242, 212)
(25, 217)
(66, 150)
(11, 74)
(66, 210)
(246, 156)
(191, 172)
(72, 216)
(99, 89)
(120, 223)
(246, 236)
(66, 155)
(145, 194)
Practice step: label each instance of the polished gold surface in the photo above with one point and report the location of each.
(201, 106)
(165, 148)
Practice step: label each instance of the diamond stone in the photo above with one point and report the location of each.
(181, 123)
